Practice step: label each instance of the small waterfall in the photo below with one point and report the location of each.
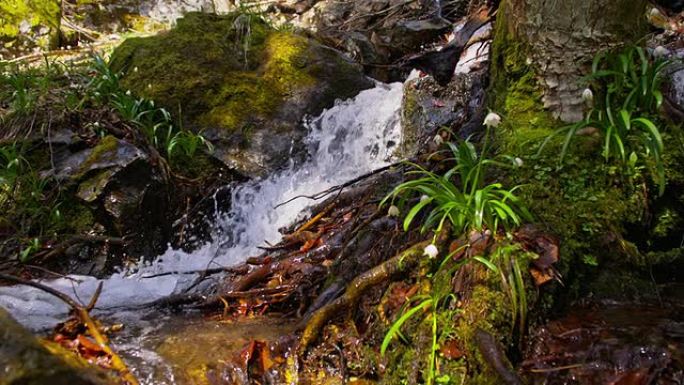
(345, 141)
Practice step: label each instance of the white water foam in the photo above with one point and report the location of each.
(345, 141)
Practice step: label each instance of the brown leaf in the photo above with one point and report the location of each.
(541, 276)
(451, 350)
(89, 347)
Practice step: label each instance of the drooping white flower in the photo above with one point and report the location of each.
(661, 52)
(655, 12)
(518, 162)
(588, 96)
(492, 120)
(393, 211)
(423, 198)
(128, 92)
(135, 69)
(431, 251)
(438, 139)
(24, 27)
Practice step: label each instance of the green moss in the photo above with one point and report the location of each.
(230, 71)
(515, 91)
(36, 12)
(106, 149)
(489, 309)
(78, 218)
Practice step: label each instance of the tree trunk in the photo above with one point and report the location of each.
(557, 40)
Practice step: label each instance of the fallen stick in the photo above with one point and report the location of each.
(75, 240)
(82, 313)
(324, 193)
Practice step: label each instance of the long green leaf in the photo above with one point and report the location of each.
(394, 329)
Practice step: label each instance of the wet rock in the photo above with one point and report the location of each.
(109, 154)
(24, 360)
(122, 194)
(244, 84)
(378, 33)
(428, 107)
(608, 343)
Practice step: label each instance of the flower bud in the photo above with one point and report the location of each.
(431, 251)
(492, 120)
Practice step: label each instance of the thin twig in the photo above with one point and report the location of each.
(324, 193)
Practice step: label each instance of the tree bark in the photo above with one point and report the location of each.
(560, 38)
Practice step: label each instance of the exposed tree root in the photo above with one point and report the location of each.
(82, 313)
(496, 359)
(400, 263)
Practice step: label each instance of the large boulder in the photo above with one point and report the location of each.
(245, 85)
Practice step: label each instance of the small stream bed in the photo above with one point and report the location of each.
(601, 343)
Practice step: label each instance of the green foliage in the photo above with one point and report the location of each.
(22, 88)
(31, 202)
(432, 305)
(506, 261)
(627, 89)
(155, 123)
(467, 205)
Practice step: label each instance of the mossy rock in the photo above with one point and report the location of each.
(245, 84)
(25, 24)
(26, 361)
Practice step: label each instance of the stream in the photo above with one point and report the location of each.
(348, 140)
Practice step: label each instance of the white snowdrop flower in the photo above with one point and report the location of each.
(68, 47)
(431, 251)
(152, 103)
(24, 27)
(518, 162)
(660, 52)
(423, 198)
(149, 85)
(655, 13)
(588, 96)
(128, 93)
(135, 69)
(438, 139)
(393, 211)
(96, 124)
(492, 120)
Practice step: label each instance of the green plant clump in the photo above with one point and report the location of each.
(625, 110)
(468, 205)
(155, 123)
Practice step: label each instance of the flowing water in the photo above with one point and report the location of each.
(345, 141)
